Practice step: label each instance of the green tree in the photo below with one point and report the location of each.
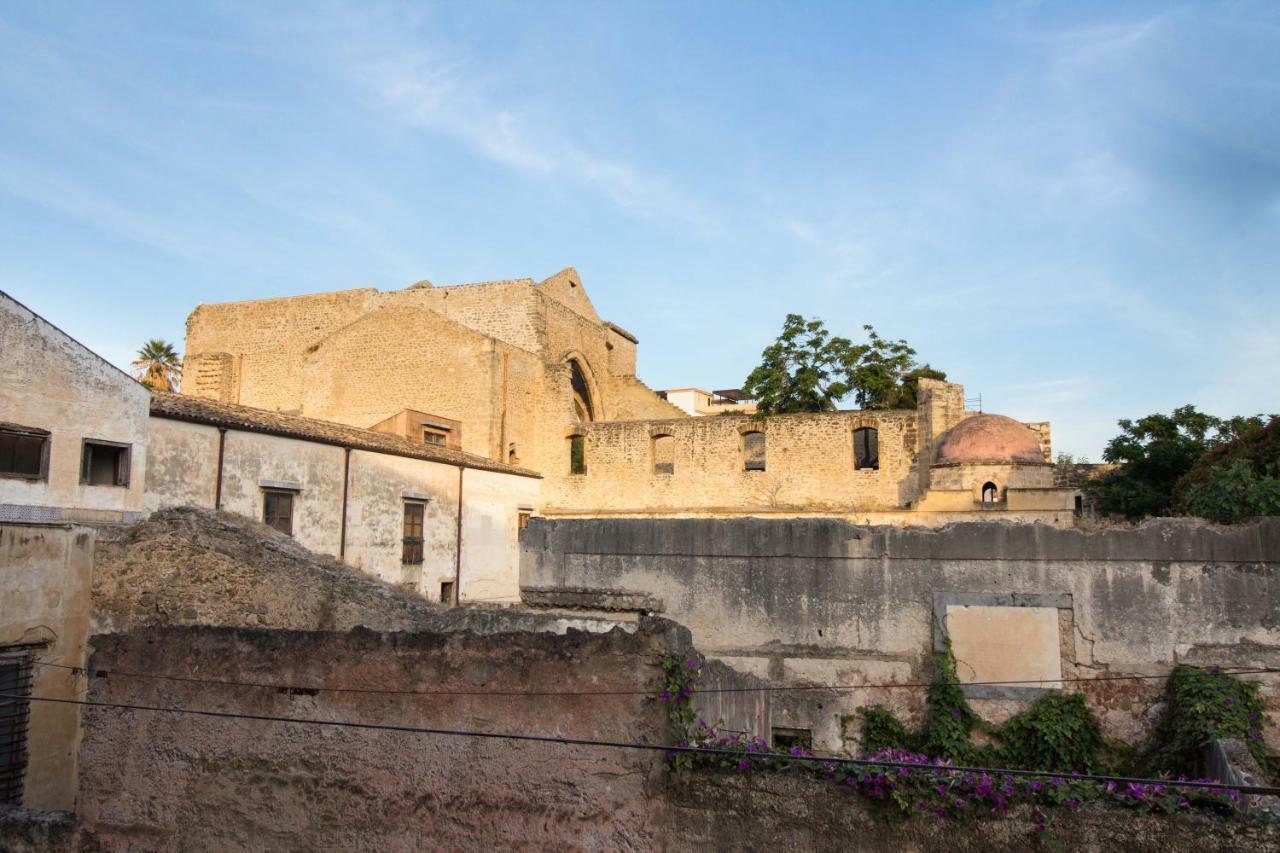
(158, 366)
(809, 370)
(1154, 454)
(1238, 478)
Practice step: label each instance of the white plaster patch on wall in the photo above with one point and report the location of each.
(1005, 644)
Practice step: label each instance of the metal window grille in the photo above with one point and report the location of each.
(15, 710)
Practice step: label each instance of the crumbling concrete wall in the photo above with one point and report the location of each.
(167, 781)
(808, 601)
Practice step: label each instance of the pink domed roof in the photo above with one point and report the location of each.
(988, 438)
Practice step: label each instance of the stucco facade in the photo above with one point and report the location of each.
(349, 499)
(51, 385)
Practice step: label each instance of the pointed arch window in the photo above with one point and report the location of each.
(582, 407)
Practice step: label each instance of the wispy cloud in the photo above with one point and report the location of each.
(413, 80)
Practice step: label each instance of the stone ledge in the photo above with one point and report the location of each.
(584, 598)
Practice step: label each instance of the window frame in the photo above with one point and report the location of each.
(124, 462)
(874, 436)
(411, 545)
(291, 494)
(747, 466)
(46, 437)
(436, 432)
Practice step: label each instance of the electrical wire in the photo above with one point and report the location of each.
(301, 688)
(651, 747)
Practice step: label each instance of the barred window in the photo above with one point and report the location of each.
(15, 708)
(412, 542)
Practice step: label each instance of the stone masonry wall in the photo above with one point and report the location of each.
(169, 782)
(809, 601)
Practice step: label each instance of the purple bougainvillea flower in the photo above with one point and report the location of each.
(955, 712)
(1230, 701)
(665, 697)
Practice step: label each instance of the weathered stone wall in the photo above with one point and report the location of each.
(49, 381)
(809, 601)
(809, 465)
(792, 811)
(168, 782)
(44, 610)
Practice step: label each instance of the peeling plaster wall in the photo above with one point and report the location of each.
(183, 470)
(826, 602)
(50, 381)
(45, 575)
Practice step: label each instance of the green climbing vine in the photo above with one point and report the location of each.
(1201, 705)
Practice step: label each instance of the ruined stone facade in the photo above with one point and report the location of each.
(533, 376)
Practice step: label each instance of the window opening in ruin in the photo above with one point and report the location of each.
(433, 436)
(522, 520)
(15, 709)
(446, 592)
(786, 738)
(411, 544)
(664, 454)
(512, 457)
(104, 463)
(24, 452)
(277, 510)
(582, 407)
(753, 451)
(577, 454)
(1079, 504)
(866, 448)
(990, 494)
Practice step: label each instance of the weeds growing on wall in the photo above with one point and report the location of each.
(1057, 733)
(1202, 705)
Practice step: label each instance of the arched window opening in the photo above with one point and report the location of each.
(753, 451)
(866, 448)
(582, 408)
(513, 458)
(577, 454)
(990, 494)
(664, 454)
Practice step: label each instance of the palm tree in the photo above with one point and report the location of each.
(158, 366)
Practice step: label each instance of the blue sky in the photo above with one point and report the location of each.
(1074, 209)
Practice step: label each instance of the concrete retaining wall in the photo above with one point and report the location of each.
(814, 601)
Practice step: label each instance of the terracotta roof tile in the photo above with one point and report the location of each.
(200, 410)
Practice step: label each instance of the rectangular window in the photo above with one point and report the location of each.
(446, 592)
(411, 551)
(24, 452)
(433, 436)
(522, 519)
(577, 454)
(104, 463)
(277, 511)
(15, 707)
(786, 738)
(866, 448)
(753, 451)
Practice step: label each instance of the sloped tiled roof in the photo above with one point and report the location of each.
(200, 410)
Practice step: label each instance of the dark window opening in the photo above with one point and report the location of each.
(866, 448)
(104, 463)
(1079, 504)
(15, 708)
(433, 436)
(582, 407)
(512, 457)
(277, 511)
(785, 739)
(24, 453)
(446, 592)
(411, 551)
(522, 520)
(577, 454)
(664, 454)
(990, 494)
(753, 451)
